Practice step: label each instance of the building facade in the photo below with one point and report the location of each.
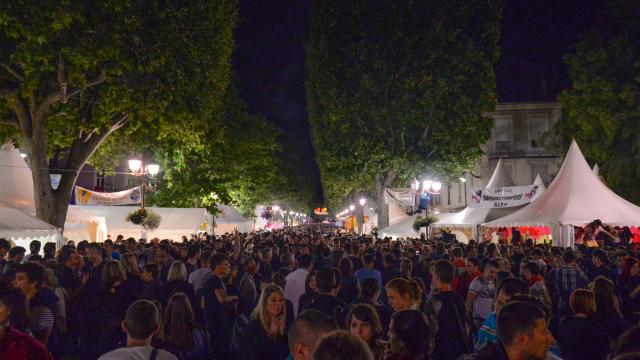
(517, 138)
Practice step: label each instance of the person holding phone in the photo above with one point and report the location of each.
(265, 337)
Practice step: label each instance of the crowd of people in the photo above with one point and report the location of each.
(313, 292)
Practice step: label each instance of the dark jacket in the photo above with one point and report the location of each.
(349, 289)
(448, 319)
(260, 346)
(201, 349)
(582, 338)
(174, 287)
(329, 305)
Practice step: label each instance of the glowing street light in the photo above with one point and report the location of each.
(352, 207)
(462, 179)
(363, 201)
(436, 186)
(135, 165)
(153, 169)
(426, 185)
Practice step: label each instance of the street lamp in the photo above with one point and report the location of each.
(352, 207)
(137, 168)
(363, 201)
(436, 186)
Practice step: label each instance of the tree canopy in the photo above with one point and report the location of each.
(397, 89)
(602, 107)
(74, 72)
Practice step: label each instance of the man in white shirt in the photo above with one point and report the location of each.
(296, 281)
(141, 323)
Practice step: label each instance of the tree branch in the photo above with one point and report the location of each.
(11, 121)
(97, 80)
(11, 71)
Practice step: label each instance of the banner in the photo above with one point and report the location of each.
(126, 197)
(404, 198)
(504, 197)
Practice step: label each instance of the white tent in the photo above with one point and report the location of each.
(16, 183)
(175, 222)
(16, 186)
(402, 228)
(472, 217)
(230, 219)
(22, 228)
(541, 187)
(82, 225)
(575, 197)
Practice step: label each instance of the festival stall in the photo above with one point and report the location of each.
(175, 222)
(21, 228)
(16, 186)
(230, 219)
(575, 197)
(82, 225)
(497, 199)
(402, 228)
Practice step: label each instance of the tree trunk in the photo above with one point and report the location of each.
(383, 181)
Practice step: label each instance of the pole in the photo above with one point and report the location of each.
(143, 181)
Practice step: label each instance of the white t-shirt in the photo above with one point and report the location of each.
(485, 292)
(295, 287)
(136, 353)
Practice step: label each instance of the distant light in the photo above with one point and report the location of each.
(463, 179)
(371, 209)
(436, 212)
(437, 186)
(276, 208)
(363, 201)
(352, 207)
(134, 165)
(426, 185)
(23, 155)
(153, 169)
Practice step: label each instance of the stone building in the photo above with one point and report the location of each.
(517, 138)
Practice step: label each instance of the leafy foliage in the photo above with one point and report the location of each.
(397, 89)
(423, 221)
(74, 72)
(602, 108)
(146, 218)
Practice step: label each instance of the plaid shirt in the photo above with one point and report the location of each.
(566, 280)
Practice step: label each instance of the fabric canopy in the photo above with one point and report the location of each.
(575, 197)
(473, 217)
(402, 228)
(16, 183)
(175, 222)
(230, 219)
(82, 225)
(22, 228)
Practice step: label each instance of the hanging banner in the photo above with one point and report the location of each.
(126, 197)
(504, 197)
(402, 197)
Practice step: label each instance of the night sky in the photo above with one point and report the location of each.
(269, 58)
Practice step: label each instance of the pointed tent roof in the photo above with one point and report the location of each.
(575, 197)
(596, 169)
(403, 228)
(538, 181)
(476, 216)
(500, 177)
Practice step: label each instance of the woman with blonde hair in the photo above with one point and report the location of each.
(580, 336)
(402, 294)
(181, 334)
(177, 282)
(266, 334)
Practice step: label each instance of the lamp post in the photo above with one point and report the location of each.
(362, 201)
(138, 168)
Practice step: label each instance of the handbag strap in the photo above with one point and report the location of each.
(154, 354)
